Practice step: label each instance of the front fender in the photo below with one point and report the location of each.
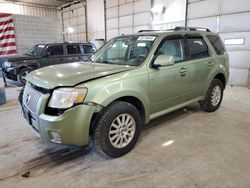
(105, 94)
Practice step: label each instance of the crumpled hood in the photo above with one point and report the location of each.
(71, 74)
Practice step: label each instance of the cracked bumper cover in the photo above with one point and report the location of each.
(72, 126)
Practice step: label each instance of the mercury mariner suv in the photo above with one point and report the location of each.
(131, 80)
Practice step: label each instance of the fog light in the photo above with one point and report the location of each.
(56, 137)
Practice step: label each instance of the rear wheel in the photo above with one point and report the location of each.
(213, 97)
(118, 129)
(21, 77)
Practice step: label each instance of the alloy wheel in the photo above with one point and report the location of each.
(122, 131)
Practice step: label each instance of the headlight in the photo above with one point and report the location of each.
(7, 64)
(67, 97)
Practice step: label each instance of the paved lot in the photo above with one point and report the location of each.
(188, 148)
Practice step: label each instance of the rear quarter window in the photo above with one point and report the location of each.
(217, 44)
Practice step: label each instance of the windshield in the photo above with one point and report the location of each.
(126, 50)
(35, 50)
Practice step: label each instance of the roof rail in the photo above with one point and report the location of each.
(179, 28)
(147, 30)
(191, 29)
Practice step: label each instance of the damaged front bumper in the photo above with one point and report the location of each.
(70, 128)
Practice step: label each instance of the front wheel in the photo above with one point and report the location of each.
(21, 77)
(213, 97)
(118, 129)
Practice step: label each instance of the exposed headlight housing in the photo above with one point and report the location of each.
(7, 64)
(64, 98)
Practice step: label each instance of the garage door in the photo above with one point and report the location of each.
(126, 17)
(230, 19)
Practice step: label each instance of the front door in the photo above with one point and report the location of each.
(169, 86)
(54, 55)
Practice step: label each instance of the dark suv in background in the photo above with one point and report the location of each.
(17, 67)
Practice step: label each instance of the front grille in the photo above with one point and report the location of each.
(31, 98)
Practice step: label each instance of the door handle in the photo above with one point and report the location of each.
(183, 70)
(210, 63)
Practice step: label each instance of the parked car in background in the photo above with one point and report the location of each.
(98, 43)
(131, 80)
(41, 55)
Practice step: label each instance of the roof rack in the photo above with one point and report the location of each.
(148, 30)
(179, 28)
(191, 29)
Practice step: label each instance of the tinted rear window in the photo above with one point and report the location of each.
(198, 48)
(73, 49)
(88, 49)
(217, 44)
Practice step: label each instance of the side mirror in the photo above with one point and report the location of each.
(163, 61)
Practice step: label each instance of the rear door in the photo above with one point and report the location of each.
(220, 51)
(73, 53)
(200, 64)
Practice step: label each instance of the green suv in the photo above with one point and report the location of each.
(131, 80)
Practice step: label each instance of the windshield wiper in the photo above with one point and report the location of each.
(110, 62)
(30, 54)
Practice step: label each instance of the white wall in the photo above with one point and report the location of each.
(130, 16)
(122, 17)
(168, 14)
(230, 19)
(74, 17)
(127, 16)
(74, 23)
(33, 24)
(31, 30)
(28, 9)
(95, 14)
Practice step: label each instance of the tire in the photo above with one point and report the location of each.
(21, 76)
(214, 96)
(108, 123)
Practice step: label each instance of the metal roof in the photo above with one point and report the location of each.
(53, 3)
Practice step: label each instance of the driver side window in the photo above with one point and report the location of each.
(55, 50)
(117, 50)
(174, 48)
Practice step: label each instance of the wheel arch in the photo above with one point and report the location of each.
(222, 78)
(139, 104)
(218, 75)
(31, 67)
